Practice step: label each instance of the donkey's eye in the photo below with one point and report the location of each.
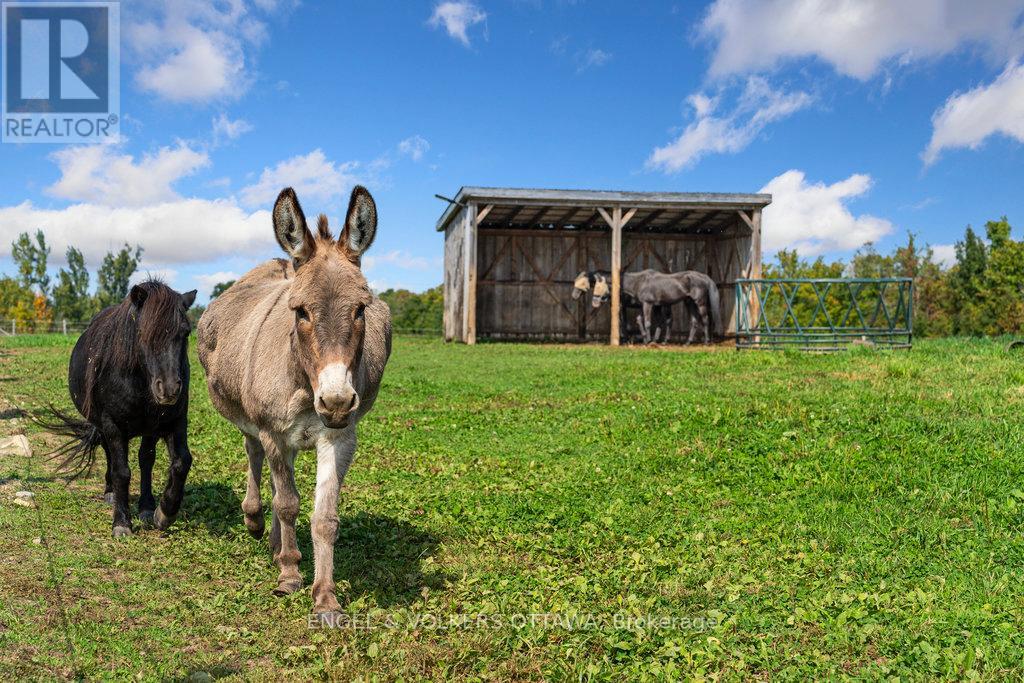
(301, 314)
(358, 315)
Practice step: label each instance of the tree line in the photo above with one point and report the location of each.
(981, 293)
(34, 301)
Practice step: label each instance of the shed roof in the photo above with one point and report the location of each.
(686, 212)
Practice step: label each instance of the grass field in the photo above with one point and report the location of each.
(771, 515)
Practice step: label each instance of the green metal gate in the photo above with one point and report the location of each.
(824, 314)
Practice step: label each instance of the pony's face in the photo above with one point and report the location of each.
(580, 286)
(602, 291)
(328, 299)
(163, 338)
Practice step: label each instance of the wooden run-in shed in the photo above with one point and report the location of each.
(511, 255)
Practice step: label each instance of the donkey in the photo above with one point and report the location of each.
(588, 280)
(294, 353)
(129, 377)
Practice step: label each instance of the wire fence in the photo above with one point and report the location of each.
(11, 328)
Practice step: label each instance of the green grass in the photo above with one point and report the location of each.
(817, 516)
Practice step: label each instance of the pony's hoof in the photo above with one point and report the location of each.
(108, 497)
(162, 521)
(146, 518)
(287, 587)
(120, 531)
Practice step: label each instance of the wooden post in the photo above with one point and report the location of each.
(64, 325)
(616, 274)
(469, 293)
(755, 266)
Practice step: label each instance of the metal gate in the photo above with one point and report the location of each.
(824, 314)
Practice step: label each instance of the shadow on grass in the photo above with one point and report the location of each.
(213, 505)
(378, 556)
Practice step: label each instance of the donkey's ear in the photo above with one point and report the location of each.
(360, 224)
(138, 295)
(188, 298)
(290, 227)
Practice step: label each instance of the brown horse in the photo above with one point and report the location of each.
(294, 353)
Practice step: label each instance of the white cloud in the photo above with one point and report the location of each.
(814, 218)
(399, 259)
(226, 129)
(195, 50)
(945, 254)
(592, 58)
(146, 271)
(855, 36)
(313, 176)
(99, 174)
(207, 281)
(757, 106)
(457, 17)
(172, 232)
(414, 147)
(968, 119)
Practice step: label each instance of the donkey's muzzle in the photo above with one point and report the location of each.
(334, 408)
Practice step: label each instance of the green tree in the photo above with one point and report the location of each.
(71, 298)
(1003, 293)
(421, 312)
(114, 275)
(220, 288)
(15, 298)
(31, 260)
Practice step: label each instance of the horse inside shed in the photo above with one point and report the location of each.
(511, 256)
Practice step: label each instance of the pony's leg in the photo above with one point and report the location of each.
(147, 456)
(286, 510)
(181, 463)
(668, 322)
(108, 488)
(333, 457)
(116, 446)
(252, 506)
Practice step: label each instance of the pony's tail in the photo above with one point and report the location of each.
(77, 456)
(715, 310)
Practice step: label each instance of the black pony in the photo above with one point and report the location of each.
(129, 377)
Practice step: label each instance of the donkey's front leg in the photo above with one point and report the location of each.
(181, 463)
(286, 510)
(147, 456)
(648, 319)
(252, 506)
(334, 451)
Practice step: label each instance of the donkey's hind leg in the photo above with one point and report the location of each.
(252, 506)
(147, 456)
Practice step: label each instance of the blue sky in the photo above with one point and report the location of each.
(864, 119)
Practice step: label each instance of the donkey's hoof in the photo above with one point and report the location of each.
(120, 531)
(108, 497)
(287, 587)
(162, 521)
(146, 518)
(256, 525)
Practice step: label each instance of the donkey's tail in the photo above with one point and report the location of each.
(715, 310)
(77, 456)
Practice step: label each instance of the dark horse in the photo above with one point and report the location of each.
(129, 377)
(590, 280)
